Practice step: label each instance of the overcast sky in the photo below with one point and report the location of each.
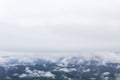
(59, 25)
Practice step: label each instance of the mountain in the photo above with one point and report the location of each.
(59, 68)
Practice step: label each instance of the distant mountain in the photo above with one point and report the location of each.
(59, 68)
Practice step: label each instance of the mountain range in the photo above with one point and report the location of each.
(59, 68)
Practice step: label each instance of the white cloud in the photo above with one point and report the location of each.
(65, 25)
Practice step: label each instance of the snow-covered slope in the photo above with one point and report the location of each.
(89, 67)
(62, 60)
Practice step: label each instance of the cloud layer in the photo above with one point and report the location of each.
(65, 25)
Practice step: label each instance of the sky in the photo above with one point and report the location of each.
(59, 25)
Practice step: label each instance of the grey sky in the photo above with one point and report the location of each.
(59, 25)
